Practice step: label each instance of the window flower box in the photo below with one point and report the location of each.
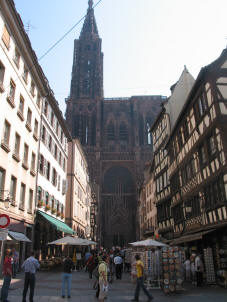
(40, 203)
(47, 208)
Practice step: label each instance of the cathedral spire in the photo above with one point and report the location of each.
(90, 3)
(89, 26)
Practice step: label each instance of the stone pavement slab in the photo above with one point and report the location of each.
(48, 289)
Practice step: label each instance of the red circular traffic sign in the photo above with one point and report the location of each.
(4, 221)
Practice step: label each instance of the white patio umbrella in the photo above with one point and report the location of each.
(90, 242)
(148, 242)
(69, 241)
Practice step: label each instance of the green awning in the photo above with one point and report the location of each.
(58, 224)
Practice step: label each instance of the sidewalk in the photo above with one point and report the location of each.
(48, 289)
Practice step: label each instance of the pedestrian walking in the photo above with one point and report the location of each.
(15, 256)
(139, 280)
(68, 266)
(187, 269)
(118, 261)
(91, 264)
(7, 275)
(199, 269)
(30, 266)
(103, 284)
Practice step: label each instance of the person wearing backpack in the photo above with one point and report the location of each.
(68, 266)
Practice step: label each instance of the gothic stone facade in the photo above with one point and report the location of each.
(114, 134)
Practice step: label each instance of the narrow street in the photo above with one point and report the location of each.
(48, 289)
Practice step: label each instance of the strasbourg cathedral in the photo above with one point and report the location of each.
(114, 133)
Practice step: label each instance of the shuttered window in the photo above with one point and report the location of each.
(6, 37)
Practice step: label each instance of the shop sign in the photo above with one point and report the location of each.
(4, 221)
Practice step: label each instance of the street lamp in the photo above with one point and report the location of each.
(6, 200)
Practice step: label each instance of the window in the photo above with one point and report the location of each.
(202, 102)
(17, 144)
(6, 37)
(36, 128)
(54, 177)
(57, 128)
(41, 164)
(62, 136)
(25, 158)
(45, 108)
(110, 131)
(38, 101)
(50, 143)
(212, 146)
(47, 198)
(17, 58)
(30, 201)
(175, 183)
(2, 74)
(63, 164)
(48, 171)
(52, 119)
(33, 162)
(25, 74)
(2, 182)
(12, 89)
(179, 139)
(21, 105)
(59, 182)
(185, 130)
(178, 215)
(22, 196)
(215, 193)
(202, 155)
(44, 135)
(29, 117)
(13, 186)
(6, 133)
(55, 151)
(32, 89)
(123, 134)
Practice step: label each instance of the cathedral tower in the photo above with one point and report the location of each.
(114, 135)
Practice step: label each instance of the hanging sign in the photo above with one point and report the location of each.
(4, 221)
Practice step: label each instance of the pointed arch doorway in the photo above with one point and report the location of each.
(118, 207)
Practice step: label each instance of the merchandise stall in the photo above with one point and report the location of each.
(163, 265)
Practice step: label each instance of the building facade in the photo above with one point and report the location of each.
(51, 177)
(79, 191)
(22, 87)
(114, 134)
(161, 130)
(197, 150)
(147, 206)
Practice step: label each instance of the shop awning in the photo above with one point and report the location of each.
(19, 236)
(191, 237)
(58, 224)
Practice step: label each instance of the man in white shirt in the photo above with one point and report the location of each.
(199, 268)
(118, 261)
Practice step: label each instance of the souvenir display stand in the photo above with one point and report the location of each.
(172, 259)
(151, 258)
(209, 265)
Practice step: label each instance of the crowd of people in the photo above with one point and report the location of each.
(101, 265)
(194, 269)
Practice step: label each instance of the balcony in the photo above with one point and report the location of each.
(148, 231)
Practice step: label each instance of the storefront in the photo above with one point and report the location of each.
(47, 229)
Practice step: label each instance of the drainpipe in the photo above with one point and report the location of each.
(37, 169)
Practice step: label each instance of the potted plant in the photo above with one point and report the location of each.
(47, 207)
(40, 203)
(53, 211)
(58, 213)
(62, 215)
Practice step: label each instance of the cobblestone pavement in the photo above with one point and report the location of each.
(48, 289)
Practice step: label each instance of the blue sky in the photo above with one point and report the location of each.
(146, 43)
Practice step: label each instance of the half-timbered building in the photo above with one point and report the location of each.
(161, 130)
(197, 159)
